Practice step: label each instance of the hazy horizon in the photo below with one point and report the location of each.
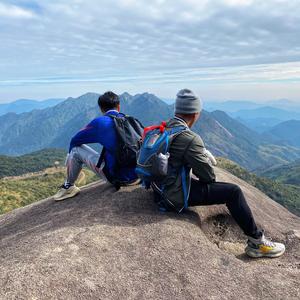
(222, 49)
(166, 99)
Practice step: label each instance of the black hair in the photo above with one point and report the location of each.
(108, 100)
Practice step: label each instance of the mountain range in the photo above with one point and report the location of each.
(25, 105)
(287, 132)
(266, 112)
(230, 106)
(233, 106)
(263, 119)
(53, 127)
(260, 117)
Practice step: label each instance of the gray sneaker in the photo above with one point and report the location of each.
(66, 192)
(263, 247)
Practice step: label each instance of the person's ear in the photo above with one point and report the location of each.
(118, 107)
(194, 119)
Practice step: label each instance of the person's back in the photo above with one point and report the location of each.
(179, 190)
(185, 152)
(103, 131)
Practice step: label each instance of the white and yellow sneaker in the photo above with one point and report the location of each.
(66, 191)
(263, 247)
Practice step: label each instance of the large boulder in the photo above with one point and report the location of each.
(116, 245)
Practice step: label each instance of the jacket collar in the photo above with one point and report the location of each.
(175, 121)
(181, 120)
(113, 112)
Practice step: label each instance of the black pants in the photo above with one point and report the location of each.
(229, 194)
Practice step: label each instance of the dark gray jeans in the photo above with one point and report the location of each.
(79, 156)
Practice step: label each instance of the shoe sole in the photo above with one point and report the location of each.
(71, 195)
(259, 255)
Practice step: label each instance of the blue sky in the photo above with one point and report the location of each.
(222, 49)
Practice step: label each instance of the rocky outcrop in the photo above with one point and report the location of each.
(116, 245)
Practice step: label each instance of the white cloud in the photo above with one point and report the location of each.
(238, 2)
(235, 75)
(13, 11)
(133, 39)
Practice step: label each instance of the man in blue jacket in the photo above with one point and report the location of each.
(101, 130)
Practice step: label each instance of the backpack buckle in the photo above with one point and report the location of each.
(162, 126)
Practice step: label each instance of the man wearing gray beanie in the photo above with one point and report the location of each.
(187, 152)
(187, 103)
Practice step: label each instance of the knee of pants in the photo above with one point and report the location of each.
(73, 155)
(74, 150)
(236, 190)
(77, 152)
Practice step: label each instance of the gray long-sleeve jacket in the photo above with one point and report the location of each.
(187, 149)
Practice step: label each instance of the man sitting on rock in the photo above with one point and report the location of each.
(188, 150)
(101, 130)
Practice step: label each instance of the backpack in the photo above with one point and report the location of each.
(129, 133)
(152, 163)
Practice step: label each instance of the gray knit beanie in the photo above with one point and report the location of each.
(187, 102)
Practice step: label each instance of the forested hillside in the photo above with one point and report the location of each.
(33, 162)
(289, 173)
(286, 194)
(18, 192)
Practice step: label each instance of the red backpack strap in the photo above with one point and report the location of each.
(161, 128)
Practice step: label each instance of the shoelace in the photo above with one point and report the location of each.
(268, 242)
(64, 186)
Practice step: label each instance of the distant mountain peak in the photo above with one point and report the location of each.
(125, 94)
(220, 112)
(89, 94)
(148, 97)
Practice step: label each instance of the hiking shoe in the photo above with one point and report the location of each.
(66, 192)
(263, 247)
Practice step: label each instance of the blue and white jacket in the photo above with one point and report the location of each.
(102, 131)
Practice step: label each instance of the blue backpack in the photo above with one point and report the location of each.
(152, 162)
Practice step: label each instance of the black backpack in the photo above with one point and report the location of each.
(129, 135)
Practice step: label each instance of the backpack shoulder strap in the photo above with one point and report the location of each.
(116, 116)
(172, 133)
(135, 120)
(127, 117)
(175, 131)
(101, 158)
